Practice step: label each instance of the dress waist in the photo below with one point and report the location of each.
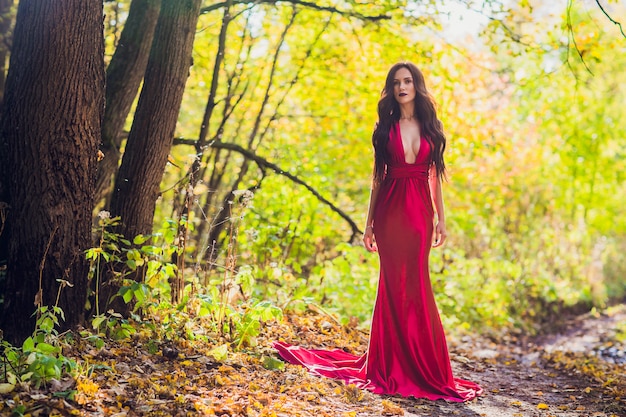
(417, 171)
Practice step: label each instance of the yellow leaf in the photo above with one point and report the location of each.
(391, 409)
(87, 386)
(587, 390)
(6, 388)
(543, 406)
(226, 369)
(349, 414)
(516, 403)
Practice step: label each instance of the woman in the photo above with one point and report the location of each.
(407, 352)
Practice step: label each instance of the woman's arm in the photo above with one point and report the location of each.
(368, 237)
(439, 234)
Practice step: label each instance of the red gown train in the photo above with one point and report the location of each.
(407, 352)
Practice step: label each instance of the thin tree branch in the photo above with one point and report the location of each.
(265, 164)
(308, 4)
(293, 81)
(266, 97)
(621, 29)
(573, 36)
(210, 105)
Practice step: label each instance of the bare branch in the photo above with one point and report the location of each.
(210, 105)
(570, 28)
(294, 80)
(621, 29)
(308, 4)
(266, 97)
(265, 164)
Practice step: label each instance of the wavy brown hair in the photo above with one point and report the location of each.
(425, 113)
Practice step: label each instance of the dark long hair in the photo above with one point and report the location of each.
(425, 113)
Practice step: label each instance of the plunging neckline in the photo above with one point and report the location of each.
(417, 154)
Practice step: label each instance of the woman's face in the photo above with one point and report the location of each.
(403, 87)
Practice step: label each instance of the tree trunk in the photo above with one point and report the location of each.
(52, 116)
(124, 75)
(137, 183)
(6, 20)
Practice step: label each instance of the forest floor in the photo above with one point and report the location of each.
(575, 372)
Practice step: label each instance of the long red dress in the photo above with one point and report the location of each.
(407, 352)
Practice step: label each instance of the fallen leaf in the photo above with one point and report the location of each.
(5, 388)
(391, 409)
(273, 364)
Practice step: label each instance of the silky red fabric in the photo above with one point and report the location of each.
(407, 352)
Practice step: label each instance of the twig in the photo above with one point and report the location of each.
(308, 4)
(4, 208)
(571, 31)
(262, 162)
(621, 29)
(39, 296)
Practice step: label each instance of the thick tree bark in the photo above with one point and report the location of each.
(6, 21)
(124, 75)
(51, 127)
(145, 157)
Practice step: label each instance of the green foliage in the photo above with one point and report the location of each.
(227, 301)
(241, 323)
(40, 357)
(112, 325)
(347, 283)
(107, 253)
(120, 257)
(248, 323)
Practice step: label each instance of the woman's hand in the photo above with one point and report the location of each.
(369, 240)
(439, 234)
